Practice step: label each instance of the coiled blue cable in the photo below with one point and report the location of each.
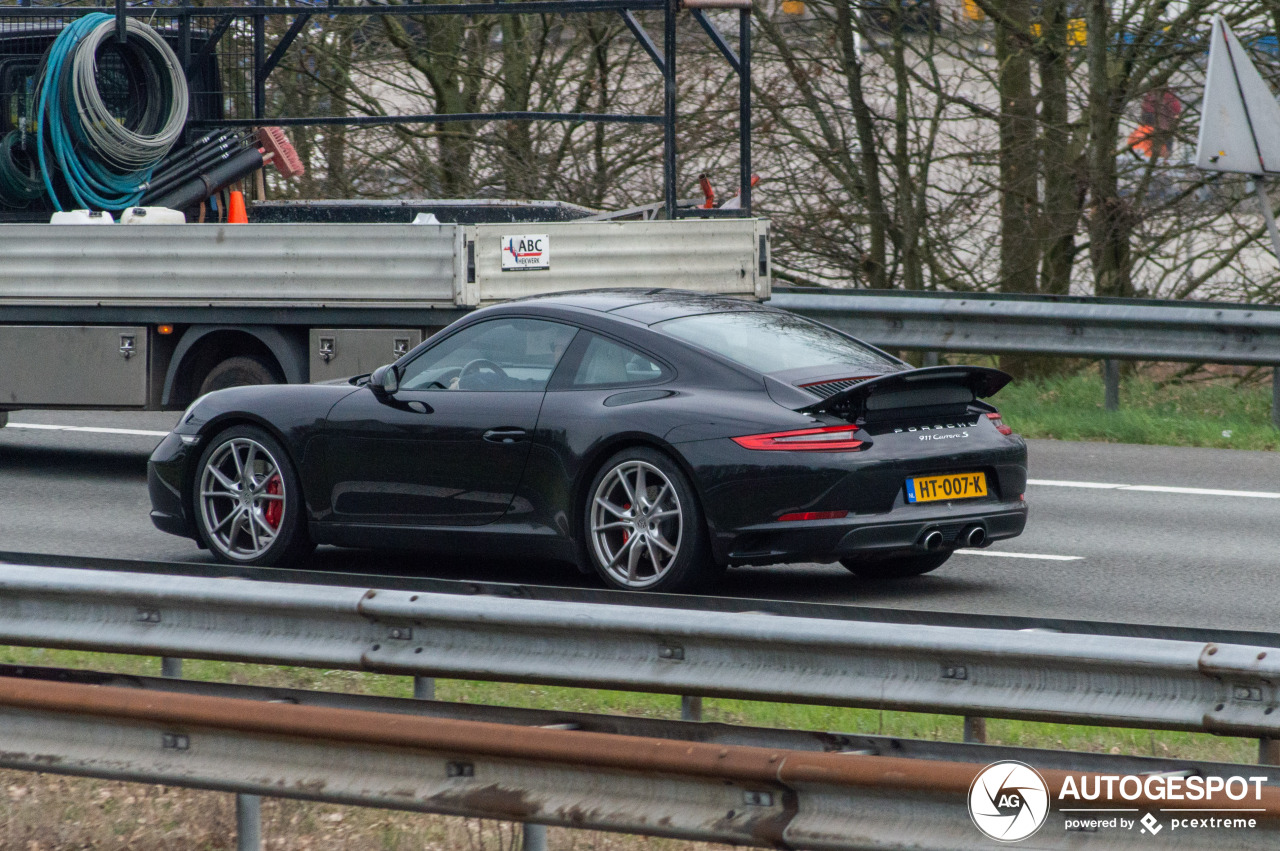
(63, 136)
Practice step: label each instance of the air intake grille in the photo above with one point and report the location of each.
(827, 389)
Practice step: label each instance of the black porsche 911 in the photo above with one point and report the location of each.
(653, 437)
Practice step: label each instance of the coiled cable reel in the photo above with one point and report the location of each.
(105, 163)
(20, 181)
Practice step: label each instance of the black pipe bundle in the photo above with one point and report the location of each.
(223, 173)
(196, 158)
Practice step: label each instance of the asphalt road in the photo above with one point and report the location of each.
(1157, 555)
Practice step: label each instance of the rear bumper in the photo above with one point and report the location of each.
(744, 493)
(898, 533)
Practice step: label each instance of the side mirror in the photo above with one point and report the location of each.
(385, 381)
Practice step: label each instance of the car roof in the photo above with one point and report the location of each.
(647, 306)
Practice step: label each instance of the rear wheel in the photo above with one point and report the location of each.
(644, 527)
(895, 568)
(248, 501)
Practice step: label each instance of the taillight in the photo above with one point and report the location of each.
(999, 424)
(826, 439)
(813, 515)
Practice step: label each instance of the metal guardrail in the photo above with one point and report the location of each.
(403, 755)
(1220, 688)
(732, 787)
(706, 732)
(689, 604)
(1070, 326)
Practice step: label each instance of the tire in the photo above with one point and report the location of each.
(270, 535)
(901, 567)
(239, 371)
(664, 548)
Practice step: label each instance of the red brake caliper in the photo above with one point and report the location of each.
(625, 534)
(275, 508)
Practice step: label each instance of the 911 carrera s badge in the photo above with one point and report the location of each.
(949, 436)
(526, 251)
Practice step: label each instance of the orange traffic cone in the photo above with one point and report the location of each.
(236, 213)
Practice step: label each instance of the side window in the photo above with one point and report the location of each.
(606, 364)
(501, 354)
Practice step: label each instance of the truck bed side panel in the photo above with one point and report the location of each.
(260, 265)
(713, 256)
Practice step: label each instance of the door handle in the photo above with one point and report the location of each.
(504, 435)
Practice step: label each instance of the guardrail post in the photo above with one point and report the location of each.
(535, 837)
(1275, 396)
(248, 823)
(975, 730)
(930, 359)
(248, 807)
(690, 708)
(1268, 751)
(1111, 383)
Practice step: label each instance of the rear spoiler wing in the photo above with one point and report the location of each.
(928, 387)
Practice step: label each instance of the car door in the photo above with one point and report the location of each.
(450, 446)
(603, 387)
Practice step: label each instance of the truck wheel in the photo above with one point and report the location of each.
(239, 371)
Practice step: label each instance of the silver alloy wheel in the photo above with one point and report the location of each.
(636, 524)
(242, 498)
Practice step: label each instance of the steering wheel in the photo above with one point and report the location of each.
(475, 366)
(442, 381)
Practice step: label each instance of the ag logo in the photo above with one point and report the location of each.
(1008, 801)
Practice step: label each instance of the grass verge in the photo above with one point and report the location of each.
(1221, 413)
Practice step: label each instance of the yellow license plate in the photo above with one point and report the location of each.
(954, 486)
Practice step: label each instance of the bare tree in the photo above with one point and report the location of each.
(903, 143)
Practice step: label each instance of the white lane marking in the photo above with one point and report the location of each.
(1204, 491)
(137, 432)
(1156, 489)
(998, 554)
(1098, 485)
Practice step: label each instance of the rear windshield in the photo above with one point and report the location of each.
(771, 342)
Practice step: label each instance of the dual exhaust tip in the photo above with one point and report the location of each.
(973, 536)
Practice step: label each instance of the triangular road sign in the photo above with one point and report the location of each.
(1240, 121)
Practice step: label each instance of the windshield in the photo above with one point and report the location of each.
(771, 342)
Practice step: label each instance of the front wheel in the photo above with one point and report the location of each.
(248, 500)
(895, 568)
(644, 527)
